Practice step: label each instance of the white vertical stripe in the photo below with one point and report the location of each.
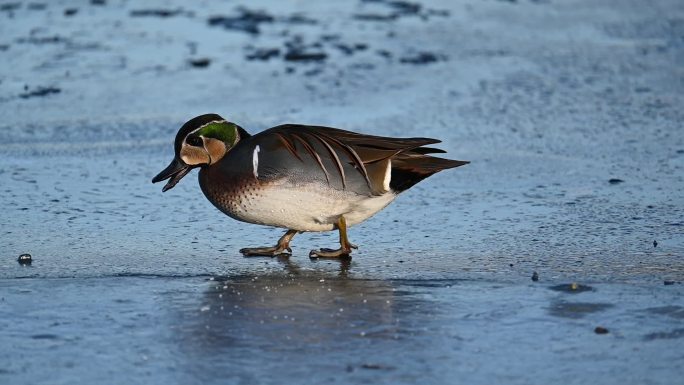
(388, 176)
(255, 161)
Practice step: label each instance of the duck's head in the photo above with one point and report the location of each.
(202, 141)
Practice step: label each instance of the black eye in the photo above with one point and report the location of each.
(194, 141)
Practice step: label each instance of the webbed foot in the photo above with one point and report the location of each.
(282, 249)
(341, 253)
(345, 246)
(273, 251)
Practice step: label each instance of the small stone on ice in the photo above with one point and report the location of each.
(200, 63)
(24, 259)
(571, 288)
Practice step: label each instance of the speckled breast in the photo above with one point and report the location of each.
(229, 193)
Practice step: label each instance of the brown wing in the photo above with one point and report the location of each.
(354, 159)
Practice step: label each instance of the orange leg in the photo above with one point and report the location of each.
(345, 246)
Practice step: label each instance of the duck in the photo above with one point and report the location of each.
(302, 178)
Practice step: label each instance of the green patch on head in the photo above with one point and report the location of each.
(223, 131)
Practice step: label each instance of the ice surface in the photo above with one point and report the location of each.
(551, 102)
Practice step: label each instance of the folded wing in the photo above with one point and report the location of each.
(359, 162)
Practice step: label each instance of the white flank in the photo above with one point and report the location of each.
(255, 162)
(310, 207)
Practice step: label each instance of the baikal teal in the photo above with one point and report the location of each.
(298, 177)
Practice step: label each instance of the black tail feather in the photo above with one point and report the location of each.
(428, 150)
(409, 170)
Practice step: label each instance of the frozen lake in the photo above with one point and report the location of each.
(570, 113)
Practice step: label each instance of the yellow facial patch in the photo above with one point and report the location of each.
(192, 155)
(215, 148)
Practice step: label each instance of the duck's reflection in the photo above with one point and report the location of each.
(293, 309)
(312, 324)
